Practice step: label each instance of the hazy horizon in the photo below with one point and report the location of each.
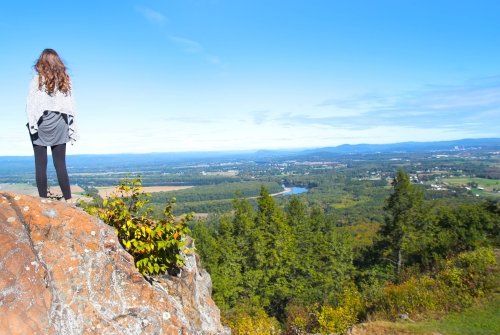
(219, 75)
(256, 150)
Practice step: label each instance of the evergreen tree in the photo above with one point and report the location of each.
(452, 230)
(268, 257)
(329, 259)
(273, 254)
(298, 220)
(221, 258)
(243, 222)
(323, 255)
(243, 233)
(229, 276)
(403, 218)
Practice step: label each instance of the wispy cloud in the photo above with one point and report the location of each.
(259, 117)
(187, 45)
(189, 120)
(194, 47)
(151, 15)
(473, 106)
(368, 100)
(213, 60)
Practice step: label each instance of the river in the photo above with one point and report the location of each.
(295, 190)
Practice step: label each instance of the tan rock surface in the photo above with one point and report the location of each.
(64, 272)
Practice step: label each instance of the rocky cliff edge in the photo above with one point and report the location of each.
(64, 272)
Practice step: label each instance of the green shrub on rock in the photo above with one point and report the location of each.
(155, 244)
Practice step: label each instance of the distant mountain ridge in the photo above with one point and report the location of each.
(139, 160)
(483, 143)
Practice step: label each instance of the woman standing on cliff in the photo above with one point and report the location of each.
(50, 110)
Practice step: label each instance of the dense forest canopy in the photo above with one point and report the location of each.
(299, 259)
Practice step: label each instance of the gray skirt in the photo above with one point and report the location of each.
(53, 129)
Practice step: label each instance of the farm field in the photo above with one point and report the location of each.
(23, 188)
(109, 190)
(480, 186)
(489, 183)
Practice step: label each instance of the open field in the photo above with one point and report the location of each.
(19, 188)
(482, 187)
(107, 191)
(483, 182)
(31, 190)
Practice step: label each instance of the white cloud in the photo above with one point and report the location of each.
(151, 15)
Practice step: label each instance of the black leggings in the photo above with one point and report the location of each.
(59, 159)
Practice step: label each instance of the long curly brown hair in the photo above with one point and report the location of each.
(52, 73)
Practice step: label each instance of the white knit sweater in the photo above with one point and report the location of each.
(39, 101)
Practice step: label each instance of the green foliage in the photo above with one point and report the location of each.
(300, 318)
(404, 216)
(474, 271)
(324, 258)
(155, 244)
(222, 245)
(445, 230)
(214, 198)
(345, 199)
(245, 320)
(340, 318)
(482, 319)
(462, 280)
(325, 319)
(296, 260)
(151, 176)
(414, 297)
(270, 256)
(93, 193)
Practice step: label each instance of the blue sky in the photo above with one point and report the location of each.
(200, 75)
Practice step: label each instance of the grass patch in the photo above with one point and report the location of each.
(483, 319)
(485, 187)
(480, 319)
(483, 193)
(348, 202)
(480, 181)
(363, 233)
